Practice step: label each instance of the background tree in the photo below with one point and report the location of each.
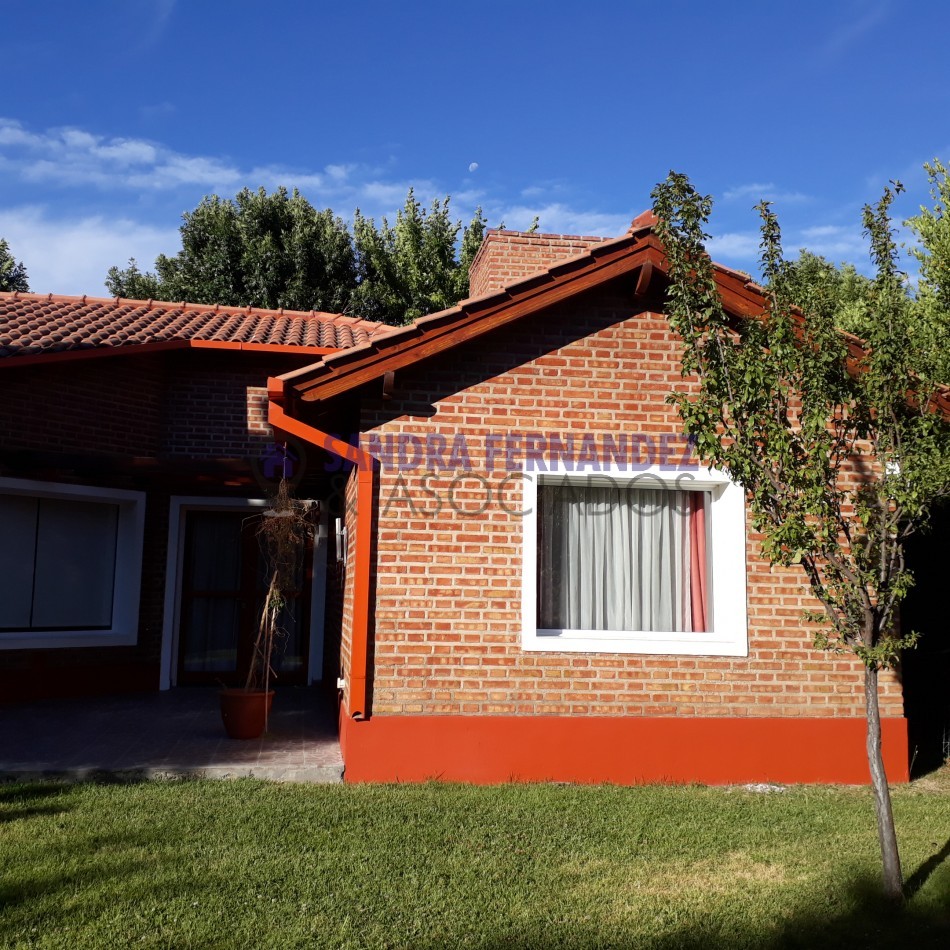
(12, 274)
(276, 250)
(932, 302)
(816, 284)
(133, 284)
(837, 292)
(410, 269)
(791, 415)
(262, 250)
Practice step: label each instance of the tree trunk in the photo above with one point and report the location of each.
(893, 879)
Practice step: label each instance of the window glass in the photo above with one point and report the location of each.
(17, 556)
(62, 555)
(616, 558)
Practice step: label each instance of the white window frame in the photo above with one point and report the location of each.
(124, 630)
(728, 623)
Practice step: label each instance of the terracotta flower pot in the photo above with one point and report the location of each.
(245, 711)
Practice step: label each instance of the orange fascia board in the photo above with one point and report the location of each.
(264, 348)
(142, 349)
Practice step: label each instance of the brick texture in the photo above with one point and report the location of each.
(448, 577)
(509, 256)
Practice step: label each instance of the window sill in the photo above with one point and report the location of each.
(60, 639)
(633, 642)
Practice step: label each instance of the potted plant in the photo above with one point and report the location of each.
(283, 533)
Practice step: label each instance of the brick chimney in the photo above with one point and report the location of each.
(506, 257)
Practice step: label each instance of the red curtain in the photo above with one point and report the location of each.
(697, 558)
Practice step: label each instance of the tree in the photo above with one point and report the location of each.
(814, 283)
(132, 284)
(846, 296)
(839, 292)
(932, 251)
(276, 250)
(410, 269)
(12, 274)
(841, 453)
(262, 250)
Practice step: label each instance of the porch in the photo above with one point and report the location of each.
(170, 734)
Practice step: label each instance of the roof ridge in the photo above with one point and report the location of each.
(551, 235)
(85, 299)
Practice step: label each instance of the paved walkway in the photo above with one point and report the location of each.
(177, 733)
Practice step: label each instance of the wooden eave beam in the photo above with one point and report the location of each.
(164, 346)
(360, 365)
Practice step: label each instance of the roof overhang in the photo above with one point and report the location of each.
(142, 349)
(429, 336)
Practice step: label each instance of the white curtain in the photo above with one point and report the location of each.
(613, 558)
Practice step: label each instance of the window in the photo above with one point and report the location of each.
(634, 562)
(70, 565)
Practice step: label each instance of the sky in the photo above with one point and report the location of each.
(120, 115)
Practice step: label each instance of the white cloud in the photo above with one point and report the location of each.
(764, 192)
(836, 242)
(76, 157)
(72, 256)
(127, 152)
(339, 173)
(735, 246)
(468, 197)
(559, 218)
(12, 133)
(158, 110)
(382, 195)
(836, 42)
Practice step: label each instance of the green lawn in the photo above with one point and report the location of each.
(249, 864)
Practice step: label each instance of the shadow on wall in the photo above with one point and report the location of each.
(419, 387)
(925, 670)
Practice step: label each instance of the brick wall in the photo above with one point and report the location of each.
(215, 406)
(107, 405)
(196, 405)
(448, 607)
(509, 256)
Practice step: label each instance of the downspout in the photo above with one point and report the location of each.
(364, 462)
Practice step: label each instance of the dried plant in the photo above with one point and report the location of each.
(285, 529)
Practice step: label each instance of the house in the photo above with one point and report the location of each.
(134, 452)
(487, 477)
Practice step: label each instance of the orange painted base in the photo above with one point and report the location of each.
(625, 751)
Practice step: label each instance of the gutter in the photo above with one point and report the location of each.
(278, 417)
(13, 360)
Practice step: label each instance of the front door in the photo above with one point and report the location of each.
(222, 589)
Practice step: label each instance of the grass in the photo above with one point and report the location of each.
(252, 864)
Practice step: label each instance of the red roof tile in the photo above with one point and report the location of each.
(38, 324)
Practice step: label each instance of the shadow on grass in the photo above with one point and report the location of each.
(29, 801)
(866, 920)
(917, 880)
